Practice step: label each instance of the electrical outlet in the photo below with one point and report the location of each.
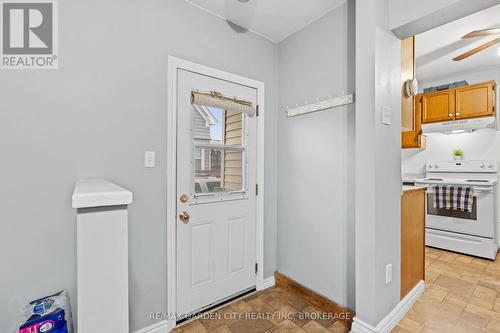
(388, 274)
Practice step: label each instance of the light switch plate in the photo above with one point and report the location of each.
(388, 274)
(386, 115)
(149, 159)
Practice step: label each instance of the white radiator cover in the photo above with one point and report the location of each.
(102, 256)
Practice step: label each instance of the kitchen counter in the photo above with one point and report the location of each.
(411, 177)
(412, 188)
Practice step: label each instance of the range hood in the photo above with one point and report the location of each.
(458, 126)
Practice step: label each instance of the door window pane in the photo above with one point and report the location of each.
(219, 150)
(218, 170)
(212, 125)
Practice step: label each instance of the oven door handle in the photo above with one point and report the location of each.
(475, 189)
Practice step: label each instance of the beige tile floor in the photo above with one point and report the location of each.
(272, 310)
(462, 295)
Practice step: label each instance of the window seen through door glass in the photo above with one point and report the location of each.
(218, 154)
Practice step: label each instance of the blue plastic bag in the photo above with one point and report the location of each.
(51, 314)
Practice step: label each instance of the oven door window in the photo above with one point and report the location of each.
(450, 212)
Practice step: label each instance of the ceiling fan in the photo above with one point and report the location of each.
(480, 33)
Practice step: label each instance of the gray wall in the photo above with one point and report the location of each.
(378, 164)
(316, 155)
(95, 117)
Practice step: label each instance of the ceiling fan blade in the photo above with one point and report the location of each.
(477, 49)
(482, 33)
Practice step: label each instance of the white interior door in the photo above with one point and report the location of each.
(216, 176)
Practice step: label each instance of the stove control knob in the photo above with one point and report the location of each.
(490, 165)
(430, 166)
(483, 165)
(436, 166)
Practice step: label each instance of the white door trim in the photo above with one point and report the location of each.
(174, 64)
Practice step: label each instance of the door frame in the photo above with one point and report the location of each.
(174, 64)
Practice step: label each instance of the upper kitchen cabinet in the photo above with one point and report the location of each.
(438, 106)
(411, 119)
(407, 73)
(414, 138)
(472, 101)
(476, 100)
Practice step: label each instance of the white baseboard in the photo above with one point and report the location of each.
(164, 326)
(268, 283)
(392, 319)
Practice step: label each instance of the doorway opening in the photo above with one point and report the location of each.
(216, 187)
(449, 135)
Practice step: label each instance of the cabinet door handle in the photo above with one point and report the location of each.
(450, 115)
(458, 114)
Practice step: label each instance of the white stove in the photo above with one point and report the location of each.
(462, 231)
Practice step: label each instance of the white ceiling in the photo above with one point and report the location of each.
(436, 48)
(273, 19)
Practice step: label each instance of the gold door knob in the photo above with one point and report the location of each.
(184, 198)
(184, 216)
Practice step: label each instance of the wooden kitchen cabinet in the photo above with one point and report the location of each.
(472, 101)
(407, 73)
(411, 114)
(438, 106)
(476, 100)
(415, 139)
(412, 239)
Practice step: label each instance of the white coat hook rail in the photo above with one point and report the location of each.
(321, 105)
